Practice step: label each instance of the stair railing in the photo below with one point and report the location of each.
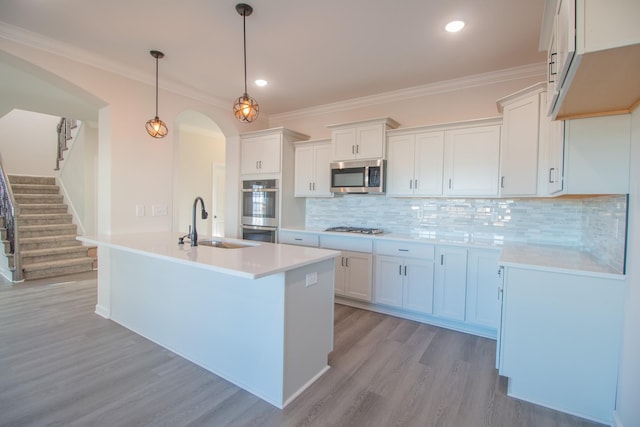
(10, 210)
(64, 134)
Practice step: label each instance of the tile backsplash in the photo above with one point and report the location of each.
(596, 224)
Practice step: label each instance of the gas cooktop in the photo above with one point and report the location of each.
(361, 230)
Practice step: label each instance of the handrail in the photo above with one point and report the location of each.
(10, 210)
(64, 134)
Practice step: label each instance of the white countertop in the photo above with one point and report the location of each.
(254, 262)
(548, 257)
(556, 258)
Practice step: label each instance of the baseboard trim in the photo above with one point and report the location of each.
(103, 311)
(616, 420)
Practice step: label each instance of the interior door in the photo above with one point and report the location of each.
(217, 198)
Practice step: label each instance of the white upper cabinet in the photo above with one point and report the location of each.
(472, 160)
(360, 140)
(264, 151)
(261, 154)
(415, 164)
(519, 146)
(312, 173)
(594, 56)
(598, 152)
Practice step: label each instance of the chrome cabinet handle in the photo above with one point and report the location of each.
(410, 184)
(415, 184)
(441, 259)
(449, 183)
(551, 180)
(502, 182)
(400, 270)
(405, 270)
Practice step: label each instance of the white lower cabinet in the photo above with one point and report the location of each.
(404, 283)
(483, 298)
(450, 282)
(560, 340)
(353, 275)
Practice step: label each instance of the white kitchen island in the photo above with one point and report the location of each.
(259, 316)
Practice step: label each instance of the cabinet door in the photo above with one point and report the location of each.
(598, 155)
(322, 181)
(400, 171)
(450, 284)
(358, 281)
(554, 176)
(261, 154)
(565, 37)
(418, 285)
(370, 142)
(472, 158)
(304, 168)
(429, 158)
(519, 147)
(250, 155)
(340, 285)
(270, 154)
(388, 280)
(483, 304)
(344, 143)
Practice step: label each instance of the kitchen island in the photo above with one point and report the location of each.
(259, 316)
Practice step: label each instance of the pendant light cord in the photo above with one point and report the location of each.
(244, 38)
(156, 86)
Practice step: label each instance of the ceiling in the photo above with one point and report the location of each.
(311, 52)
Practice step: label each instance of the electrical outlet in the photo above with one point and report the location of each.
(139, 210)
(312, 278)
(159, 210)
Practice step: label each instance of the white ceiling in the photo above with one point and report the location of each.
(311, 52)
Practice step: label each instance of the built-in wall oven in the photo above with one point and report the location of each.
(260, 210)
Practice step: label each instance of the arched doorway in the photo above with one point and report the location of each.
(199, 170)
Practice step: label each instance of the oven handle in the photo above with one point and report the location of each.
(260, 190)
(258, 227)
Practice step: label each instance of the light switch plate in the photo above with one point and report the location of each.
(139, 210)
(312, 278)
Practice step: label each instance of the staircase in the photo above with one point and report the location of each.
(46, 234)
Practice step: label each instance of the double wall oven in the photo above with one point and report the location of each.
(260, 210)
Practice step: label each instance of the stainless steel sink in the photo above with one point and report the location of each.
(222, 245)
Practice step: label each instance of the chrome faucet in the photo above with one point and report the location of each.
(193, 235)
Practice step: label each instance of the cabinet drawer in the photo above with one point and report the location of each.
(300, 239)
(343, 243)
(405, 249)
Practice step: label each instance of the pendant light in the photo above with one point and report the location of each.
(245, 108)
(156, 127)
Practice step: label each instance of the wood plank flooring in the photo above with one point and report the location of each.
(61, 364)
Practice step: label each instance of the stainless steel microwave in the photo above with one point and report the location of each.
(358, 176)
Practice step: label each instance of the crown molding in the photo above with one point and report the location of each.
(515, 73)
(65, 50)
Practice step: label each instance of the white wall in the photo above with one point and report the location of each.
(29, 143)
(78, 177)
(451, 101)
(196, 154)
(627, 407)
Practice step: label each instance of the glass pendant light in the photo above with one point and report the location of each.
(156, 127)
(245, 108)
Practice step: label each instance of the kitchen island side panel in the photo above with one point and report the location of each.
(308, 325)
(231, 326)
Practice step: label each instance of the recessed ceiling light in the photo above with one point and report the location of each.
(261, 82)
(454, 26)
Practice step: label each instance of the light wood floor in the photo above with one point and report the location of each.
(60, 364)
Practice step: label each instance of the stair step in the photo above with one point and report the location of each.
(30, 179)
(34, 189)
(56, 268)
(42, 208)
(44, 219)
(38, 199)
(46, 230)
(53, 254)
(46, 242)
